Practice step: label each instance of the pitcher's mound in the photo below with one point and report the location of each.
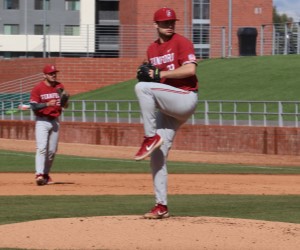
(133, 232)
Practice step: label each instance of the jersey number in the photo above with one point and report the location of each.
(171, 66)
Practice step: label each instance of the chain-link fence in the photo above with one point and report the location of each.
(132, 41)
(209, 42)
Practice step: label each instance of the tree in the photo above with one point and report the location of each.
(283, 18)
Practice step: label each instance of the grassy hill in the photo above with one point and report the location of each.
(266, 78)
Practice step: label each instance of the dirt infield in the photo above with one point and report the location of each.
(133, 232)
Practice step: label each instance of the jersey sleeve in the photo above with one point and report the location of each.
(186, 52)
(34, 96)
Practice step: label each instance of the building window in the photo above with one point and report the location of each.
(39, 29)
(201, 9)
(202, 53)
(108, 34)
(71, 30)
(38, 5)
(201, 34)
(108, 10)
(11, 4)
(257, 11)
(11, 29)
(72, 4)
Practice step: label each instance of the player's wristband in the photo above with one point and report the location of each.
(37, 106)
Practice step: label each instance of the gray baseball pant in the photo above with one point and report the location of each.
(164, 109)
(46, 134)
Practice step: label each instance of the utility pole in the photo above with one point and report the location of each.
(26, 27)
(229, 27)
(44, 29)
(185, 19)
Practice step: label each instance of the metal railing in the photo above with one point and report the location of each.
(209, 112)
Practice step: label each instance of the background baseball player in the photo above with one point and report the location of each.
(167, 94)
(47, 100)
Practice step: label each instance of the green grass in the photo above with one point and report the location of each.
(267, 207)
(250, 78)
(15, 209)
(261, 78)
(11, 161)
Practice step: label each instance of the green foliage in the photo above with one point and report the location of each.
(283, 18)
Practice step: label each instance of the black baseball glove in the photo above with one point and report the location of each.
(143, 73)
(64, 97)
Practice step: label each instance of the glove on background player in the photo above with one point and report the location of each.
(64, 97)
(143, 73)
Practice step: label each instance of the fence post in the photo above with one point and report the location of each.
(280, 121)
(296, 116)
(234, 113)
(273, 39)
(106, 111)
(298, 38)
(32, 116)
(249, 114)
(87, 37)
(286, 39)
(206, 110)
(83, 111)
(129, 111)
(221, 114)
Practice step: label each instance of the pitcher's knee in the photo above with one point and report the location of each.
(51, 155)
(41, 151)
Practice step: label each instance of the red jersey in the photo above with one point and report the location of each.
(171, 55)
(43, 93)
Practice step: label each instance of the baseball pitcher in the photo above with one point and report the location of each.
(167, 94)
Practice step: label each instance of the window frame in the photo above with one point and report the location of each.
(11, 28)
(203, 7)
(40, 2)
(75, 30)
(72, 5)
(42, 29)
(11, 4)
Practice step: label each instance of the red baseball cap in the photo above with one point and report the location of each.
(50, 69)
(164, 14)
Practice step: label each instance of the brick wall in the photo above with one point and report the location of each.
(254, 13)
(239, 139)
(78, 74)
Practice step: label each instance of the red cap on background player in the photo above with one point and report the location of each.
(50, 69)
(164, 14)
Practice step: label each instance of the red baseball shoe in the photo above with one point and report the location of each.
(48, 179)
(43, 179)
(159, 211)
(148, 146)
(39, 179)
